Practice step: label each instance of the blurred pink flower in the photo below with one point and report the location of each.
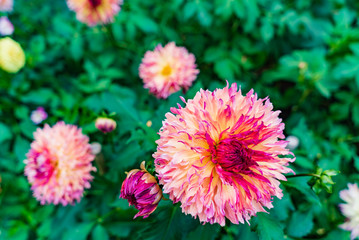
(6, 27)
(219, 155)
(140, 188)
(93, 12)
(105, 124)
(6, 5)
(350, 209)
(168, 69)
(58, 165)
(38, 115)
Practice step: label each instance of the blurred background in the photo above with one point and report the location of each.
(303, 54)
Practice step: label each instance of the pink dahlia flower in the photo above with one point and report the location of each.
(219, 155)
(350, 209)
(58, 164)
(168, 69)
(140, 188)
(93, 12)
(6, 5)
(105, 125)
(6, 27)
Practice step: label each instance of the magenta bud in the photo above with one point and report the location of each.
(105, 125)
(140, 188)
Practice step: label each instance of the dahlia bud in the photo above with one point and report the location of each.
(140, 188)
(105, 124)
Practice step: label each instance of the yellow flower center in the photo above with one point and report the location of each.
(166, 71)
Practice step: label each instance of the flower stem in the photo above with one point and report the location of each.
(304, 175)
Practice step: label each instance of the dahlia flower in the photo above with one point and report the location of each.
(6, 5)
(58, 165)
(6, 27)
(38, 115)
(93, 12)
(350, 209)
(105, 125)
(219, 155)
(168, 69)
(140, 188)
(12, 57)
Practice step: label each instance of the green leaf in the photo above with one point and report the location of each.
(145, 23)
(282, 207)
(5, 133)
(337, 234)
(205, 232)
(302, 186)
(76, 47)
(189, 9)
(300, 224)
(323, 89)
(121, 101)
(122, 229)
(100, 232)
(252, 13)
(355, 113)
(22, 146)
(78, 232)
(204, 17)
(268, 228)
(40, 96)
(225, 69)
(170, 224)
(45, 228)
(267, 30)
(214, 53)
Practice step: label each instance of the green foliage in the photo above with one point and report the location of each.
(268, 228)
(303, 54)
(323, 180)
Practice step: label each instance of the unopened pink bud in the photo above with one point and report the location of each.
(140, 188)
(105, 125)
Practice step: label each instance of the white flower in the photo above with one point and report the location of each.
(350, 209)
(293, 142)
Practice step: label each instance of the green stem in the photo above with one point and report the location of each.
(304, 175)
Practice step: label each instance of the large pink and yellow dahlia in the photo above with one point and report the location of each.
(58, 164)
(219, 155)
(93, 12)
(168, 69)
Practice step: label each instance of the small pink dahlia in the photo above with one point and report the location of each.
(140, 188)
(93, 12)
(219, 155)
(58, 164)
(168, 69)
(38, 115)
(350, 209)
(6, 5)
(6, 27)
